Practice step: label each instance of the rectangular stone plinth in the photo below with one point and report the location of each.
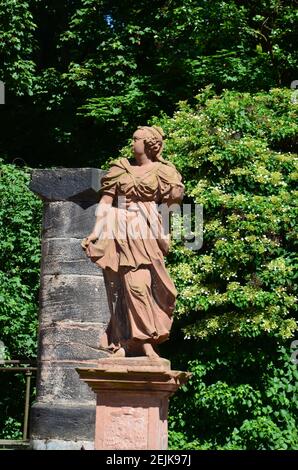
(131, 420)
(132, 401)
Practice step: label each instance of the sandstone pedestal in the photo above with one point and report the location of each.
(132, 401)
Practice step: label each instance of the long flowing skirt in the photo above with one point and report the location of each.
(140, 291)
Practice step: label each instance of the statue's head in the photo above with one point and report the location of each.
(149, 140)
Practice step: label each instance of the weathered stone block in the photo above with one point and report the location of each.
(66, 256)
(68, 219)
(70, 341)
(61, 184)
(61, 444)
(66, 421)
(58, 380)
(76, 298)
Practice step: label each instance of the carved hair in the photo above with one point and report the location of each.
(154, 143)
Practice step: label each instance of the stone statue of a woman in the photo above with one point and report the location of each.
(140, 292)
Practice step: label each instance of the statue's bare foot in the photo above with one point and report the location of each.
(149, 351)
(119, 353)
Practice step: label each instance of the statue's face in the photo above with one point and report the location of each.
(142, 142)
(138, 145)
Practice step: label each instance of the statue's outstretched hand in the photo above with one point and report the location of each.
(86, 241)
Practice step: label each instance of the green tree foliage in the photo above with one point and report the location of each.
(20, 220)
(88, 71)
(236, 314)
(237, 307)
(79, 76)
(236, 152)
(236, 311)
(242, 396)
(17, 47)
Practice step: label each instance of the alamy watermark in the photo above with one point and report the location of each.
(148, 220)
(2, 352)
(294, 96)
(2, 92)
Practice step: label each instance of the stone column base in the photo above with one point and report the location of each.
(132, 401)
(59, 444)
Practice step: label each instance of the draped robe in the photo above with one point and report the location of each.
(131, 249)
